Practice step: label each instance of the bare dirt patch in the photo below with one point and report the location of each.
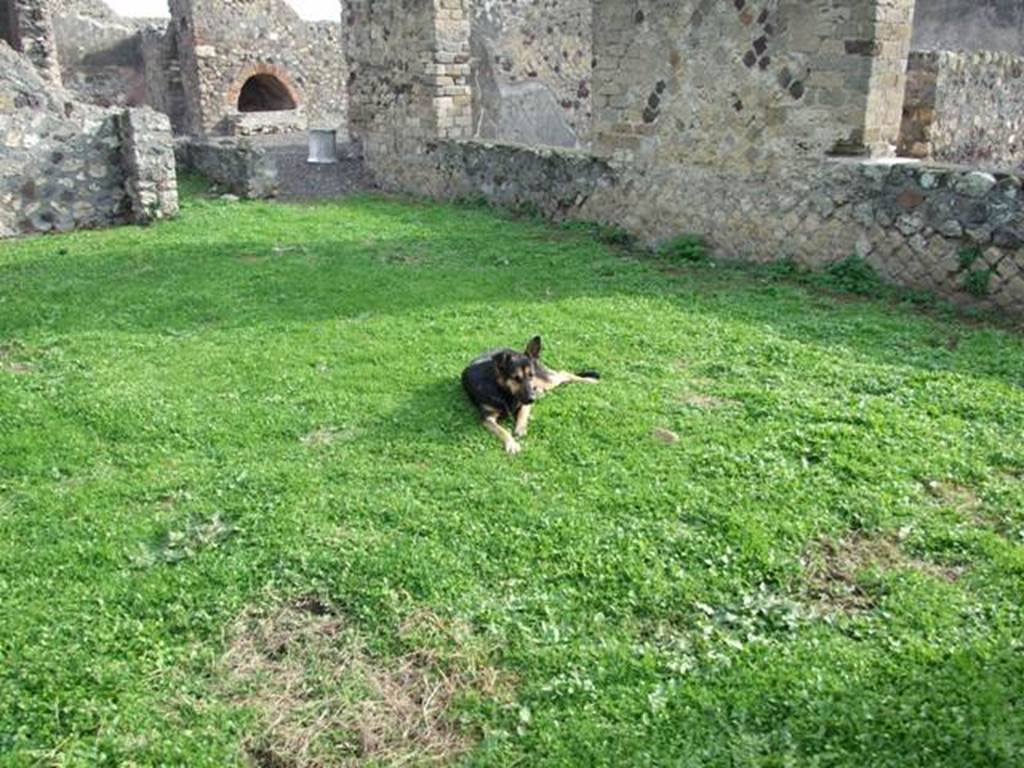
(13, 360)
(325, 699)
(834, 569)
(252, 258)
(961, 498)
(324, 436)
(666, 436)
(706, 402)
(17, 367)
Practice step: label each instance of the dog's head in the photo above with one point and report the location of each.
(515, 371)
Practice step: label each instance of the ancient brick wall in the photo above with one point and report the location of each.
(409, 79)
(742, 84)
(67, 165)
(531, 71)
(965, 108)
(222, 43)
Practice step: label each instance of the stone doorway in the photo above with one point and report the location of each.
(9, 25)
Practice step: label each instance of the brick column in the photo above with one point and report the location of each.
(409, 74)
(893, 29)
(862, 46)
(448, 71)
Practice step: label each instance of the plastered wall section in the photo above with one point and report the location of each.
(969, 25)
(531, 74)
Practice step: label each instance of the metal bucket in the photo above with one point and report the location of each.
(323, 146)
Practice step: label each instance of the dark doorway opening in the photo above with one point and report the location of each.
(264, 93)
(9, 25)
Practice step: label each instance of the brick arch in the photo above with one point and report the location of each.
(255, 70)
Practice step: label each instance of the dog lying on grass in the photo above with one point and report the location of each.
(504, 383)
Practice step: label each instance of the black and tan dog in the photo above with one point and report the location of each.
(504, 383)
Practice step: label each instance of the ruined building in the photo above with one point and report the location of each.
(801, 129)
(64, 163)
(771, 127)
(217, 67)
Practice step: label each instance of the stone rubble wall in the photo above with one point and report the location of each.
(32, 24)
(739, 83)
(965, 108)
(409, 64)
(147, 154)
(236, 164)
(66, 165)
(940, 229)
(223, 42)
(556, 181)
(531, 71)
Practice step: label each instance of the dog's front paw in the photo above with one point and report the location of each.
(520, 432)
(512, 447)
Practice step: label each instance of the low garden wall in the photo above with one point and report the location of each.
(956, 232)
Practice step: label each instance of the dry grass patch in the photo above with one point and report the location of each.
(323, 698)
(706, 402)
(325, 436)
(835, 568)
(666, 436)
(12, 360)
(958, 497)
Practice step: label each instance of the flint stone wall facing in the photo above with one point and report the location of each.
(965, 108)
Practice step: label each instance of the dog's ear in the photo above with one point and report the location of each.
(502, 361)
(533, 348)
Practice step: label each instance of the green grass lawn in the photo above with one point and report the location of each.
(248, 517)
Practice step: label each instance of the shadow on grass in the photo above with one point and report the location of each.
(252, 265)
(437, 413)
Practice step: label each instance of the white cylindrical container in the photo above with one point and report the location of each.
(323, 146)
